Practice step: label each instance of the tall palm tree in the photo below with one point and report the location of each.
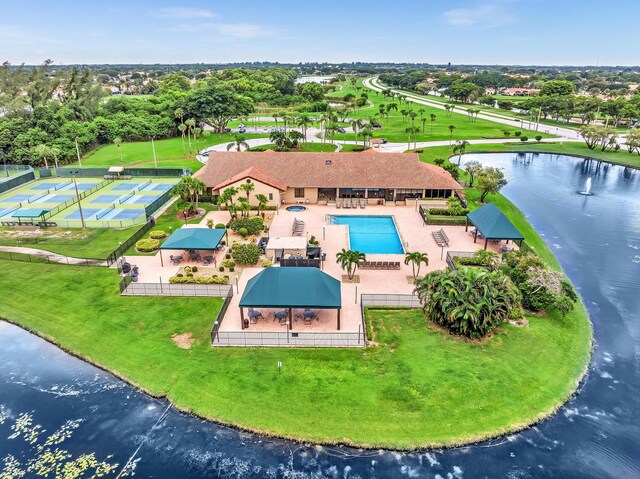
(196, 137)
(392, 106)
(422, 111)
(423, 120)
(197, 187)
(182, 128)
(263, 201)
(43, 151)
(247, 188)
(460, 148)
(433, 120)
(350, 260)
(55, 152)
(367, 134)
(303, 121)
(118, 141)
(226, 198)
(416, 259)
(448, 107)
(244, 206)
(191, 123)
(451, 128)
(357, 126)
(237, 143)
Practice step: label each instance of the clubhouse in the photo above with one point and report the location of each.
(323, 178)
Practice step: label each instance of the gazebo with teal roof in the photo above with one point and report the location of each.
(492, 224)
(291, 288)
(193, 239)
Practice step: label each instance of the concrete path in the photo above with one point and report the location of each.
(53, 257)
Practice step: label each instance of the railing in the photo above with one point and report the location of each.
(167, 289)
(460, 254)
(423, 213)
(390, 300)
(136, 172)
(220, 316)
(308, 263)
(129, 242)
(292, 339)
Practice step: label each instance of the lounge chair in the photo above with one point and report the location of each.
(338, 204)
(385, 265)
(396, 265)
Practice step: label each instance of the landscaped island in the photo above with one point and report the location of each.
(415, 386)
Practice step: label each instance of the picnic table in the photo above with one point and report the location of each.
(254, 316)
(281, 315)
(208, 259)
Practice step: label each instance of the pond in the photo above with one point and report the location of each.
(597, 240)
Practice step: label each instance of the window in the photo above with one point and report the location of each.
(298, 192)
(270, 196)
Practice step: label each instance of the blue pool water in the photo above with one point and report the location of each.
(371, 234)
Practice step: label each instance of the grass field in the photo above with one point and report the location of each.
(303, 148)
(394, 127)
(417, 387)
(621, 157)
(169, 153)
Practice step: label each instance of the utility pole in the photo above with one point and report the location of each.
(79, 202)
(155, 162)
(78, 152)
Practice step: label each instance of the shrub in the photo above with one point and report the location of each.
(538, 137)
(157, 234)
(227, 263)
(231, 269)
(313, 240)
(506, 133)
(524, 138)
(204, 279)
(179, 275)
(243, 232)
(253, 225)
(481, 301)
(266, 263)
(448, 212)
(209, 223)
(220, 226)
(439, 161)
(518, 133)
(246, 253)
(147, 245)
(227, 256)
(194, 269)
(359, 148)
(219, 280)
(221, 269)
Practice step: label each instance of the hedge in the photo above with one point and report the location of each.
(447, 220)
(446, 212)
(147, 245)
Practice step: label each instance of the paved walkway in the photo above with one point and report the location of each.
(53, 257)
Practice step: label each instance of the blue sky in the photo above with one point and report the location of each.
(551, 32)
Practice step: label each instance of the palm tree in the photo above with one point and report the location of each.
(367, 134)
(304, 120)
(237, 143)
(422, 111)
(55, 152)
(197, 187)
(424, 121)
(357, 126)
(451, 128)
(448, 107)
(182, 128)
(205, 135)
(275, 118)
(412, 115)
(349, 260)
(392, 106)
(191, 123)
(226, 198)
(294, 138)
(244, 207)
(382, 110)
(416, 259)
(461, 146)
(247, 188)
(331, 128)
(196, 137)
(411, 130)
(433, 120)
(118, 141)
(43, 151)
(263, 201)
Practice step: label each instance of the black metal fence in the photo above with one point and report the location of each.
(137, 172)
(49, 259)
(17, 180)
(129, 287)
(157, 203)
(129, 242)
(75, 199)
(308, 263)
(220, 316)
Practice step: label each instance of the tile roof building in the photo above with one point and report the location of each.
(290, 177)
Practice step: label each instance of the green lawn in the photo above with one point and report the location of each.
(621, 157)
(169, 152)
(77, 243)
(304, 147)
(393, 127)
(417, 387)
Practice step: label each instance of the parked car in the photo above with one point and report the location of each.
(242, 130)
(227, 130)
(376, 125)
(241, 125)
(384, 140)
(341, 130)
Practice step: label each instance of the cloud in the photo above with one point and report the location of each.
(491, 15)
(184, 13)
(225, 31)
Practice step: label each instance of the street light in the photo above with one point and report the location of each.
(75, 184)
(237, 287)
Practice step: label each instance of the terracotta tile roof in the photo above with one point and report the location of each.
(255, 173)
(329, 170)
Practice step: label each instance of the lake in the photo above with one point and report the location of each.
(596, 435)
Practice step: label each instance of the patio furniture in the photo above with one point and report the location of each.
(194, 256)
(441, 237)
(338, 204)
(396, 265)
(385, 265)
(506, 249)
(281, 316)
(254, 315)
(176, 259)
(207, 260)
(308, 313)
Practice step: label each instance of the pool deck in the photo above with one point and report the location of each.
(413, 233)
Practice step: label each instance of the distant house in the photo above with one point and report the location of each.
(291, 177)
(520, 91)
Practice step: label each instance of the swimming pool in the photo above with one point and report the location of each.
(296, 208)
(371, 234)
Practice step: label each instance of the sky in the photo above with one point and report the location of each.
(523, 32)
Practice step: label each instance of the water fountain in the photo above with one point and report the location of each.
(587, 188)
